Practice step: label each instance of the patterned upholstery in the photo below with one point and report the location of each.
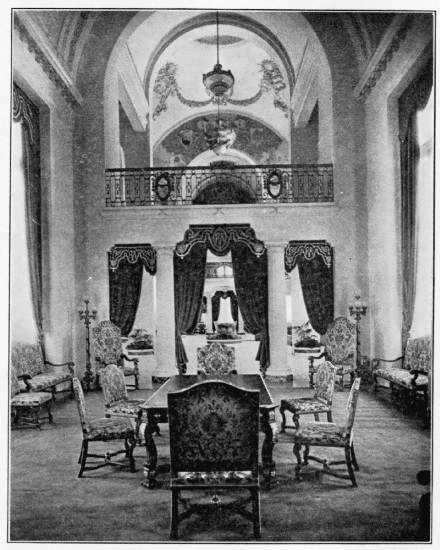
(340, 348)
(321, 402)
(216, 358)
(28, 360)
(329, 434)
(26, 406)
(107, 346)
(102, 429)
(418, 354)
(214, 444)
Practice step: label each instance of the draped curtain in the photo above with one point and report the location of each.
(216, 305)
(25, 112)
(412, 100)
(189, 281)
(317, 287)
(250, 276)
(125, 292)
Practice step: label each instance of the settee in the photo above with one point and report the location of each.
(408, 375)
(39, 375)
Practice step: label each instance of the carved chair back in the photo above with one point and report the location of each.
(325, 382)
(81, 404)
(351, 408)
(418, 353)
(214, 428)
(107, 343)
(340, 342)
(112, 381)
(216, 358)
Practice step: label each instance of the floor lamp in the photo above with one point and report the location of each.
(87, 316)
(357, 310)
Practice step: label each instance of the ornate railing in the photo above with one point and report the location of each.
(219, 183)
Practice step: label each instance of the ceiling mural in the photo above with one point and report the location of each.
(190, 139)
(271, 82)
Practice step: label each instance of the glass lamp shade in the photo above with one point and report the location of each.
(218, 82)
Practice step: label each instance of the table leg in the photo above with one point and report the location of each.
(150, 466)
(268, 426)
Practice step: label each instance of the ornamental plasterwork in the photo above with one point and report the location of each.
(132, 254)
(219, 239)
(307, 249)
(272, 81)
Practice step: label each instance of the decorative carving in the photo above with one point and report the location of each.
(133, 253)
(219, 239)
(272, 81)
(23, 111)
(308, 249)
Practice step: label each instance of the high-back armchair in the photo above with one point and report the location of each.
(340, 349)
(107, 346)
(216, 358)
(214, 446)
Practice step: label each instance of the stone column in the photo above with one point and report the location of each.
(240, 322)
(165, 346)
(209, 313)
(277, 310)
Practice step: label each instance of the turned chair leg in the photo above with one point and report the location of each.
(84, 452)
(353, 458)
(348, 460)
(297, 453)
(306, 454)
(283, 418)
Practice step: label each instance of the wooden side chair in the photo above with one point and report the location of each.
(340, 349)
(26, 406)
(116, 399)
(321, 402)
(103, 429)
(328, 434)
(214, 448)
(107, 346)
(216, 358)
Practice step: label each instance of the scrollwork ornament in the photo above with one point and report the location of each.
(307, 249)
(132, 254)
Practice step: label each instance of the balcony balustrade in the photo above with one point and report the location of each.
(219, 183)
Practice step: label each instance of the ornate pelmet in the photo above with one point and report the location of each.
(132, 253)
(308, 249)
(219, 239)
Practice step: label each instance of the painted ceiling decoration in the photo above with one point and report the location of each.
(252, 137)
(272, 81)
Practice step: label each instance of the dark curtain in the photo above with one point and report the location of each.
(250, 276)
(317, 287)
(216, 305)
(189, 280)
(412, 100)
(125, 292)
(25, 112)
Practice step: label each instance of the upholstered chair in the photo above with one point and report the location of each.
(26, 406)
(107, 346)
(116, 399)
(340, 349)
(320, 402)
(102, 429)
(329, 434)
(216, 358)
(214, 448)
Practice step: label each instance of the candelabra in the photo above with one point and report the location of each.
(358, 310)
(87, 316)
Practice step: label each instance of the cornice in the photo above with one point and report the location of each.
(46, 57)
(389, 44)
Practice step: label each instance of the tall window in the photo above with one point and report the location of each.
(25, 245)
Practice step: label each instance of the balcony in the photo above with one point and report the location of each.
(219, 183)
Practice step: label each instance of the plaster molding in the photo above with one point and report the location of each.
(44, 54)
(131, 92)
(305, 92)
(389, 44)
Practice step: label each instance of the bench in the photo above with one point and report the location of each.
(409, 374)
(36, 374)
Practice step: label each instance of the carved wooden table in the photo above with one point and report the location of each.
(156, 413)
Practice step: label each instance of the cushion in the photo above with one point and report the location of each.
(106, 429)
(47, 380)
(31, 399)
(320, 433)
(305, 405)
(402, 377)
(125, 407)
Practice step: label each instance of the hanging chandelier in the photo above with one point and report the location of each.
(218, 82)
